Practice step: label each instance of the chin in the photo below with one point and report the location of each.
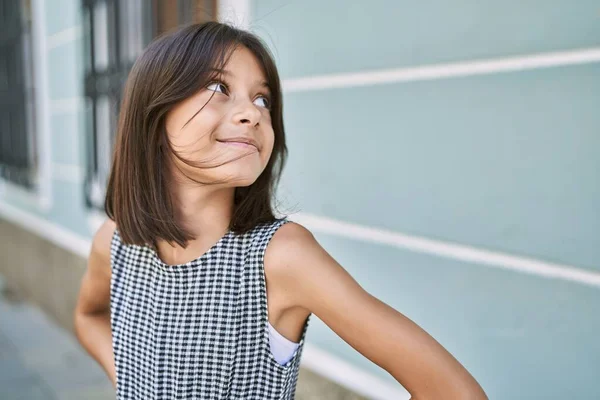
(241, 175)
(244, 182)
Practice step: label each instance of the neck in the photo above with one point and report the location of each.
(203, 210)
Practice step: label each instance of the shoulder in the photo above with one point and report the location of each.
(290, 232)
(289, 242)
(304, 270)
(285, 260)
(103, 238)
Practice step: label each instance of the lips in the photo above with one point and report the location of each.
(241, 141)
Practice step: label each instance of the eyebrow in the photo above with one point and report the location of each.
(225, 72)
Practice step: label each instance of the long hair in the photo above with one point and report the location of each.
(172, 68)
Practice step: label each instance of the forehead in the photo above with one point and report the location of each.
(244, 64)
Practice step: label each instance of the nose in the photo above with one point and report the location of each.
(246, 113)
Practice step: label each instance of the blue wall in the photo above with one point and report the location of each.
(505, 162)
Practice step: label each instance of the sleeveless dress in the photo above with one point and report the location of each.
(198, 330)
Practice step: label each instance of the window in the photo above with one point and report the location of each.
(18, 160)
(116, 33)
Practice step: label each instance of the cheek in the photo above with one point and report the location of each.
(205, 123)
(193, 118)
(268, 144)
(267, 127)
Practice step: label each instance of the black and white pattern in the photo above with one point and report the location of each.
(197, 330)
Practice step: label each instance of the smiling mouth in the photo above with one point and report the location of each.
(239, 144)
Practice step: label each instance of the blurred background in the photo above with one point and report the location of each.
(445, 153)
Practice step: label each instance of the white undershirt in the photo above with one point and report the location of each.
(282, 348)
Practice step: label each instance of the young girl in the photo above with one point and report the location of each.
(194, 289)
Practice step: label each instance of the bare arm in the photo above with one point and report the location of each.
(316, 282)
(92, 312)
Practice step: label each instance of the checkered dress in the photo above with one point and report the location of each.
(197, 330)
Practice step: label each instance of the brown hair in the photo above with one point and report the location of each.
(172, 68)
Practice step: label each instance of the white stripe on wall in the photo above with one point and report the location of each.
(363, 233)
(25, 197)
(315, 359)
(48, 230)
(443, 71)
(448, 250)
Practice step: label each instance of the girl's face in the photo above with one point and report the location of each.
(237, 112)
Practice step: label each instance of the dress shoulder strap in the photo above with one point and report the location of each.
(264, 233)
(115, 247)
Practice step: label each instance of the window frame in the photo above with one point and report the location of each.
(105, 77)
(38, 193)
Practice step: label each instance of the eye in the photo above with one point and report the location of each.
(266, 103)
(214, 86)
